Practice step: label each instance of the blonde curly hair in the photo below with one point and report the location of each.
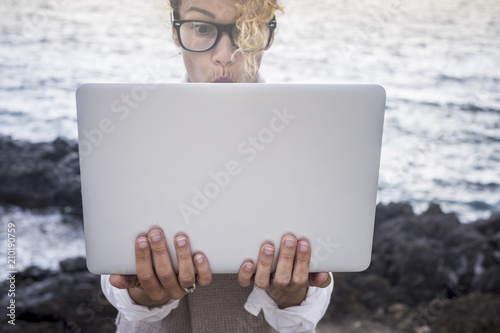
(252, 22)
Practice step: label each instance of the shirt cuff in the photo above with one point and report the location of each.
(121, 300)
(300, 318)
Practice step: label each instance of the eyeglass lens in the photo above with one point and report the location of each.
(201, 36)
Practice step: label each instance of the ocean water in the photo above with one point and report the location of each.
(438, 61)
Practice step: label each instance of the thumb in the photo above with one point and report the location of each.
(321, 280)
(124, 281)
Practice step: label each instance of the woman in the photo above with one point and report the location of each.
(221, 41)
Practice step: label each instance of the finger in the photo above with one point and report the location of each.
(285, 263)
(124, 281)
(264, 266)
(245, 274)
(203, 268)
(300, 276)
(162, 264)
(144, 267)
(186, 276)
(321, 280)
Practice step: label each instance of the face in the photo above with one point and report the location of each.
(217, 64)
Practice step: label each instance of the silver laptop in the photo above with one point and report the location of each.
(232, 166)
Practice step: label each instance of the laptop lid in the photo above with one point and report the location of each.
(232, 166)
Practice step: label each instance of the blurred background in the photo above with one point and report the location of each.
(438, 61)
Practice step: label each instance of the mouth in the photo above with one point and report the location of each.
(222, 80)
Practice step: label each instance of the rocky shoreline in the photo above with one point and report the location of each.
(68, 300)
(429, 272)
(40, 175)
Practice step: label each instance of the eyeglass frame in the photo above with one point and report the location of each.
(228, 28)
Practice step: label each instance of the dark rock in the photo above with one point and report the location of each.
(424, 255)
(28, 324)
(360, 294)
(345, 298)
(414, 272)
(38, 175)
(33, 274)
(397, 311)
(489, 281)
(385, 213)
(489, 227)
(495, 240)
(442, 274)
(65, 301)
(374, 291)
(461, 234)
(73, 265)
(469, 314)
(434, 209)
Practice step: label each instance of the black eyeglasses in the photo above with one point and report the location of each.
(201, 36)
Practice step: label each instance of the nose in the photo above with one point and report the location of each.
(223, 51)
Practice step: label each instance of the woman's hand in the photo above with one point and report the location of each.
(288, 285)
(156, 281)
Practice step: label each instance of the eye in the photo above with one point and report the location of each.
(202, 28)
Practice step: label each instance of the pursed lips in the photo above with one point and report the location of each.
(222, 80)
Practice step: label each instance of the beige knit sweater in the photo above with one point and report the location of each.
(216, 308)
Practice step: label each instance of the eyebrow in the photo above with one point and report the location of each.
(200, 10)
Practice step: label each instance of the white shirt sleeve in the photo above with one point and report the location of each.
(132, 311)
(300, 318)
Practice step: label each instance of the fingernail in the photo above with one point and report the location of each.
(155, 237)
(269, 250)
(248, 268)
(289, 242)
(181, 241)
(142, 242)
(198, 259)
(303, 247)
